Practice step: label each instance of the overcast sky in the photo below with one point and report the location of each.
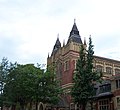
(29, 28)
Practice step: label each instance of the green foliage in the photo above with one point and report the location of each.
(4, 70)
(79, 79)
(48, 87)
(52, 87)
(27, 83)
(3, 73)
(84, 77)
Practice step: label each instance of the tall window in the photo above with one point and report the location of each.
(75, 64)
(109, 70)
(117, 84)
(59, 70)
(104, 104)
(66, 65)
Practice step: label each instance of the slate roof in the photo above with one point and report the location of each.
(56, 46)
(74, 35)
(105, 94)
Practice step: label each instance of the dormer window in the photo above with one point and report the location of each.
(105, 88)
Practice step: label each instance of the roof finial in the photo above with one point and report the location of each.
(58, 36)
(63, 43)
(48, 55)
(84, 40)
(74, 20)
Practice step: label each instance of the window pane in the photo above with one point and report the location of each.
(104, 104)
(109, 70)
(99, 68)
(117, 71)
(119, 83)
(116, 83)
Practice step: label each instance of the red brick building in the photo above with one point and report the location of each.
(65, 56)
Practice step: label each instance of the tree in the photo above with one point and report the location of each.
(84, 77)
(4, 70)
(3, 73)
(53, 89)
(20, 84)
(27, 83)
(48, 88)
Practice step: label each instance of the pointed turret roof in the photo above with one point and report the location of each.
(74, 28)
(74, 34)
(57, 45)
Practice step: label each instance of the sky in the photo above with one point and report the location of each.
(29, 28)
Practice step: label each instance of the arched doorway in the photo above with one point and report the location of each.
(40, 106)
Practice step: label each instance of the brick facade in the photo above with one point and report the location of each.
(65, 58)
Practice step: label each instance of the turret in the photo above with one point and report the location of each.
(57, 45)
(74, 34)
